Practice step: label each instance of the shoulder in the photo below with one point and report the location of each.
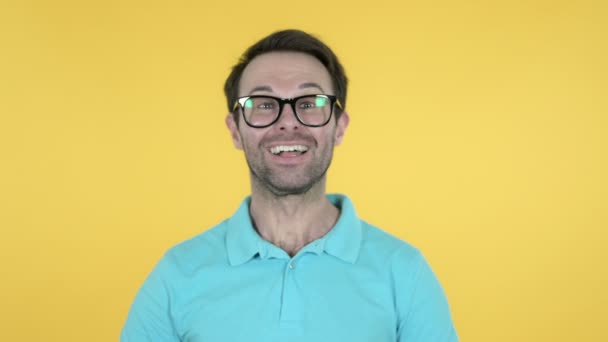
(377, 245)
(396, 259)
(207, 247)
(376, 241)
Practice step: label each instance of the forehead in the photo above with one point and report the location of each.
(284, 73)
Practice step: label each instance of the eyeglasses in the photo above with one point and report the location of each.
(310, 110)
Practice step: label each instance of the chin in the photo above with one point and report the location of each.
(284, 185)
(289, 190)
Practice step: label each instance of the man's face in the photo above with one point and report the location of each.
(287, 75)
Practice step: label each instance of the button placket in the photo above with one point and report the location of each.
(290, 306)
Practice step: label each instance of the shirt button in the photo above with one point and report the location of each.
(292, 266)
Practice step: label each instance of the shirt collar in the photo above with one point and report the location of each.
(342, 241)
(242, 240)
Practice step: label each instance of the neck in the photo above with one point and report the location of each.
(292, 221)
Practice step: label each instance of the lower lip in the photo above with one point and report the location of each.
(289, 158)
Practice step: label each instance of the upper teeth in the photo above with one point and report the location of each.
(285, 148)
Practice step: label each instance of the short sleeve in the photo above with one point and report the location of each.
(150, 318)
(422, 307)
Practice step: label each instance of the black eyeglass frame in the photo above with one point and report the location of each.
(240, 102)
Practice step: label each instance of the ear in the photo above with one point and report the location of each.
(234, 131)
(341, 126)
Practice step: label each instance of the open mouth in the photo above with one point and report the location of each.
(288, 150)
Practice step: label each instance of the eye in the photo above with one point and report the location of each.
(307, 104)
(313, 102)
(261, 104)
(266, 105)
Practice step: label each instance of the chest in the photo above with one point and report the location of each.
(283, 301)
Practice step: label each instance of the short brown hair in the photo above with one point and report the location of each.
(292, 41)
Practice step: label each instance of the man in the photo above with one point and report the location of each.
(292, 264)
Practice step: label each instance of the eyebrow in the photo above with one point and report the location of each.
(301, 86)
(311, 85)
(261, 88)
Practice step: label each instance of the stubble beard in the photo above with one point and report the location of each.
(274, 181)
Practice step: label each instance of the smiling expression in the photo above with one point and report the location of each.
(287, 157)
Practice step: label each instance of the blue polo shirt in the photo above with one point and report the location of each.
(356, 284)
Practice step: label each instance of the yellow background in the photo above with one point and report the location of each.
(478, 133)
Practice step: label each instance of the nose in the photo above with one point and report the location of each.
(288, 119)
